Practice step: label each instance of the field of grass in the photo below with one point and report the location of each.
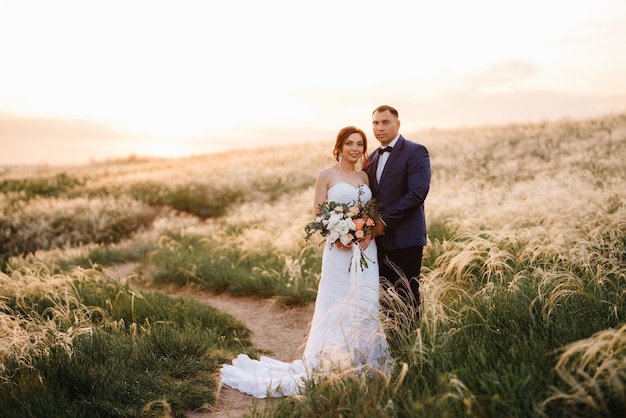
(524, 279)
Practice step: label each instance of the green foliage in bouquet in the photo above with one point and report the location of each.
(345, 222)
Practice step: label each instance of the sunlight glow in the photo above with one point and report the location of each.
(169, 149)
(172, 70)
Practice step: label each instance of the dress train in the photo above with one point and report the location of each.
(346, 330)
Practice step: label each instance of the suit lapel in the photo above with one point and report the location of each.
(395, 154)
(371, 167)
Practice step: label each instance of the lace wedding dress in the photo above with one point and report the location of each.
(346, 331)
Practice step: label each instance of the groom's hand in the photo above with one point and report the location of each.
(365, 242)
(379, 229)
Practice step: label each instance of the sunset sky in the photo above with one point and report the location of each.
(88, 80)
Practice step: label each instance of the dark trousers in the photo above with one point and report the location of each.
(401, 269)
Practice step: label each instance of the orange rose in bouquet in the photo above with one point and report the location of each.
(346, 223)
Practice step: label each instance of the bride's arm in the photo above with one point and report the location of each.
(321, 191)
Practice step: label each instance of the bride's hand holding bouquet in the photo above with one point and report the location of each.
(345, 225)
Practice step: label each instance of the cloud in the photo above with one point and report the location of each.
(474, 108)
(19, 128)
(502, 73)
(34, 140)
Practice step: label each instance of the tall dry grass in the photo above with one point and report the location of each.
(523, 279)
(593, 375)
(79, 344)
(28, 333)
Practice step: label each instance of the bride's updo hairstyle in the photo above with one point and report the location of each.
(343, 135)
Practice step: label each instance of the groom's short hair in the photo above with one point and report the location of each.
(384, 108)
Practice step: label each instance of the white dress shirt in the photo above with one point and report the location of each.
(382, 159)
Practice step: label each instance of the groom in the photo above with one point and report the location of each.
(399, 175)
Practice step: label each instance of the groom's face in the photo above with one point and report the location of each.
(386, 127)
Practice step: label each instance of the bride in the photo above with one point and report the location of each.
(346, 331)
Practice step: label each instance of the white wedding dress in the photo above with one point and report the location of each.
(346, 330)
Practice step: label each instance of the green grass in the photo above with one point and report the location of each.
(200, 200)
(42, 224)
(523, 285)
(223, 268)
(138, 348)
(53, 186)
(107, 255)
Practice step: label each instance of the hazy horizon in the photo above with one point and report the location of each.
(40, 141)
(67, 142)
(83, 80)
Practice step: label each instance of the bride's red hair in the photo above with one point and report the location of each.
(343, 135)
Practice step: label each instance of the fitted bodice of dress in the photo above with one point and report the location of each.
(347, 193)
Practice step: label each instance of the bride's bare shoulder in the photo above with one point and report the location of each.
(326, 174)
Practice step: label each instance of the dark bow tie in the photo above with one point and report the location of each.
(386, 149)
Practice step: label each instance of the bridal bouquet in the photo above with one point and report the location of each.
(346, 223)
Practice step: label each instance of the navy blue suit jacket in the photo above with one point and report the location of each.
(401, 192)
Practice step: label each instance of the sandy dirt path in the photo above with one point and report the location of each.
(279, 331)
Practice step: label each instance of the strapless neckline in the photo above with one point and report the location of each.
(349, 184)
